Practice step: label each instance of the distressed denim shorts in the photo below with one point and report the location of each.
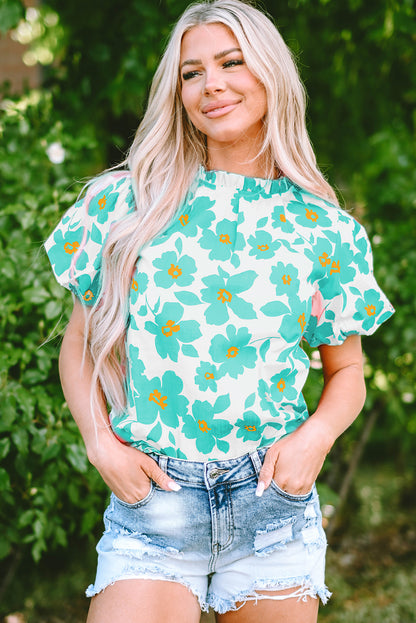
(216, 536)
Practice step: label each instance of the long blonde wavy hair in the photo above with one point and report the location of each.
(164, 159)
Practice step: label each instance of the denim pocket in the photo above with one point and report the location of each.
(303, 497)
(139, 503)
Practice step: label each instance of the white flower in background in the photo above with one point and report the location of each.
(56, 153)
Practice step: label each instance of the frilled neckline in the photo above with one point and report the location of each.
(239, 181)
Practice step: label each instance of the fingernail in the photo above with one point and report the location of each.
(174, 486)
(260, 489)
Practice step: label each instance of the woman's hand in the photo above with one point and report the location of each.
(295, 461)
(126, 470)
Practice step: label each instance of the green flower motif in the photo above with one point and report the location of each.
(285, 277)
(368, 308)
(294, 324)
(332, 264)
(343, 261)
(175, 453)
(266, 400)
(280, 221)
(309, 215)
(362, 244)
(321, 333)
(321, 255)
(203, 426)
(222, 293)
(62, 253)
(282, 386)
(174, 270)
(86, 288)
(170, 330)
(103, 203)
(206, 377)
(250, 427)
(283, 410)
(196, 214)
(139, 285)
(343, 256)
(160, 397)
(262, 245)
(224, 242)
(233, 353)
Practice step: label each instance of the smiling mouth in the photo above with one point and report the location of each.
(219, 108)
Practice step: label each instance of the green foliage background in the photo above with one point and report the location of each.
(357, 60)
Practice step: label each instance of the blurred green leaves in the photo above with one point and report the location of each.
(358, 62)
(39, 443)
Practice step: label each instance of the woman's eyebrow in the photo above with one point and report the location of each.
(196, 61)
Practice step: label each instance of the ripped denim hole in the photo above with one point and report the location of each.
(138, 546)
(275, 536)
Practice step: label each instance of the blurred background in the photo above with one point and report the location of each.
(74, 80)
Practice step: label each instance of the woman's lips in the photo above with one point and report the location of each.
(217, 109)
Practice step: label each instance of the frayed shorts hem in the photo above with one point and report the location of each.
(94, 590)
(303, 589)
(217, 538)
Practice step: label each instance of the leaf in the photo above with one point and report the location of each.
(222, 403)
(4, 448)
(262, 222)
(250, 400)
(275, 308)
(96, 234)
(53, 309)
(178, 245)
(222, 445)
(5, 547)
(189, 350)
(77, 457)
(171, 437)
(20, 439)
(11, 12)
(264, 348)
(4, 479)
(187, 298)
(235, 260)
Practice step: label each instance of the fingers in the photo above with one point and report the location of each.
(152, 469)
(267, 470)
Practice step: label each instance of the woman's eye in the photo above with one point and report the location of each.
(233, 62)
(189, 74)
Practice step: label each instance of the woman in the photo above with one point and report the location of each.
(197, 271)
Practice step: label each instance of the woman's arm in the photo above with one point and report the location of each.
(126, 471)
(295, 461)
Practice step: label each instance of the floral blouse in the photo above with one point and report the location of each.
(219, 305)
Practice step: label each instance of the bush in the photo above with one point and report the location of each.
(46, 486)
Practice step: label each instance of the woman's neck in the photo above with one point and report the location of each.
(239, 160)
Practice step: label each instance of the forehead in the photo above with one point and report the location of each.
(206, 40)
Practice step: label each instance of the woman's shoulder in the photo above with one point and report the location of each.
(108, 191)
(322, 213)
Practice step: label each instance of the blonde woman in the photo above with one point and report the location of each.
(197, 269)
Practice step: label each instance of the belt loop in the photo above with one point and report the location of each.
(163, 463)
(256, 460)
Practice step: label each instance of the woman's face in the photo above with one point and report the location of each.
(221, 96)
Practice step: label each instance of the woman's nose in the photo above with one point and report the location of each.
(214, 83)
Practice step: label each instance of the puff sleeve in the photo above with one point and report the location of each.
(75, 246)
(348, 299)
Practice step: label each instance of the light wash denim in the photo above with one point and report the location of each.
(216, 536)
